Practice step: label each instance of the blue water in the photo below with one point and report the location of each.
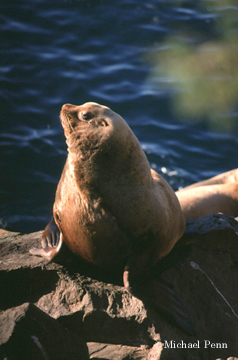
(166, 66)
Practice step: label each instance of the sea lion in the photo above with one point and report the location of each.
(110, 207)
(108, 198)
(218, 194)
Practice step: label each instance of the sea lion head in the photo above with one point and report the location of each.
(87, 116)
(99, 139)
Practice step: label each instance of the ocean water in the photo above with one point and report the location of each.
(168, 67)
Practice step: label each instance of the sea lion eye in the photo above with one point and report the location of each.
(104, 123)
(86, 115)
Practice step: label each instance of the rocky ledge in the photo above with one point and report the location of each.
(69, 310)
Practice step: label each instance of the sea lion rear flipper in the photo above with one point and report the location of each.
(158, 293)
(51, 242)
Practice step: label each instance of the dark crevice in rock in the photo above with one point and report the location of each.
(76, 266)
(25, 285)
(97, 326)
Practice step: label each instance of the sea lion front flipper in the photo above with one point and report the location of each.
(158, 293)
(51, 242)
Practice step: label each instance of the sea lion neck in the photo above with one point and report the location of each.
(102, 148)
(83, 144)
(96, 160)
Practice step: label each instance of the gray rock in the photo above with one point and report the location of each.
(202, 267)
(26, 332)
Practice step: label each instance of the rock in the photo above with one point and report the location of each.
(26, 332)
(93, 304)
(207, 230)
(117, 352)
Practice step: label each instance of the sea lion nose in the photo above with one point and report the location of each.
(69, 109)
(67, 106)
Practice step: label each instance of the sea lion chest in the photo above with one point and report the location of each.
(89, 228)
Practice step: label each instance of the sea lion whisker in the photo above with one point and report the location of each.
(68, 117)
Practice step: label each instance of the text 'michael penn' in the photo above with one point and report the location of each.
(206, 344)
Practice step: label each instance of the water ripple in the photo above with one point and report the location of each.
(72, 51)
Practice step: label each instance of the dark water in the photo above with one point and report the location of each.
(168, 67)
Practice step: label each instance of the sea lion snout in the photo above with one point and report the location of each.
(69, 110)
(70, 116)
(79, 117)
(78, 112)
(66, 106)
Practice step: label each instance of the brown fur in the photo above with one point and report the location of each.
(216, 195)
(108, 200)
